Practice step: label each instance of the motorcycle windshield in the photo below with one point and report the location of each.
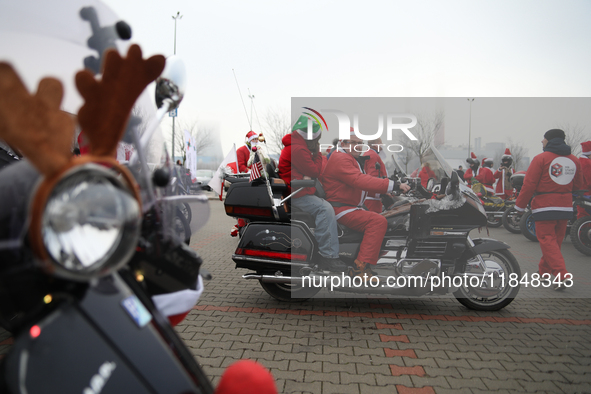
(58, 39)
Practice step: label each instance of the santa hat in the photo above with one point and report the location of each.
(473, 156)
(251, 135)
(507, 153)
(486, 159)
(586, 148)
(246, 377)
(301, 127)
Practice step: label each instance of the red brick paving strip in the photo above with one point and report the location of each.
(409, 390)
(398, 371)
(373, 315)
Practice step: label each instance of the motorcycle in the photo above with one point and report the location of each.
(494, 206)
(427, 243)
(511, 218)
(91, 249)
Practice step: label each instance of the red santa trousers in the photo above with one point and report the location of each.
(551, 233)
(374, 227)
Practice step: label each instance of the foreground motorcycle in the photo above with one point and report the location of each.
(427, 246)
(91, 250)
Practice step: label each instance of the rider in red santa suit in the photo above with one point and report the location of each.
(243, 153)
(374, 166)
(473, 170)
(346, 186)
(551, 178)
(585, 160)
(503, 176)
(486, 176)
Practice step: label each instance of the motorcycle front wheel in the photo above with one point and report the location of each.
(527, 225)
(580, 235)
(289, 292)
(493, 290)
(511, 221)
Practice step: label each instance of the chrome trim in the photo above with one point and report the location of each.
(258, 260)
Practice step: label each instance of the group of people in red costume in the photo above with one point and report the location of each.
(482, 172)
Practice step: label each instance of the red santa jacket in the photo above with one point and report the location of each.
(304, 163)
(243, 154)
(347, 186)
(486, 177)
(550, 179)
(374, 166)
(586, 173)
(425, 174)
(468, 175)
(503, 186)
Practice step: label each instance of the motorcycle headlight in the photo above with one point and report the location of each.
(89, 224)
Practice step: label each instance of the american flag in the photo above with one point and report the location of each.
(256, 169)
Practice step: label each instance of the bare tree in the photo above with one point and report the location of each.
(518, 152)
(426, 130)
(575, 134)
(202, 135)
(276, 124)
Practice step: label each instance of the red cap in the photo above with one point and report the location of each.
(472, 155)
(586, 147)
(507, 152)
(246, 377)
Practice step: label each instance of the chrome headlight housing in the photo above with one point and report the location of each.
(89, 225)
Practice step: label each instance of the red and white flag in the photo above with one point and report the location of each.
(230, 161)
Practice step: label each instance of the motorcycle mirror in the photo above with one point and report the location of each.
(171, 84)
(430, 184)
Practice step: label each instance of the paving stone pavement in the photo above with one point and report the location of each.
(539, 343)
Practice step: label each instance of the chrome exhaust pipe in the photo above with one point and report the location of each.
(273, 278)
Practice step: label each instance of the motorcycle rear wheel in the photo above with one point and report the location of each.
(511, 221)
(493, 221)
(479, 299)
(580, 235)
(288, 292)
(527, 225)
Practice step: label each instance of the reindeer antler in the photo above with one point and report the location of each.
(34, 124)
(108, 102)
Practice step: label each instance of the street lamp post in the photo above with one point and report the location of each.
(470, 128)
(178, 16)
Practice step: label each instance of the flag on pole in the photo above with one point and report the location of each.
(257, 167)
(231, 161)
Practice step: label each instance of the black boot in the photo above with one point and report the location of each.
(332, 265)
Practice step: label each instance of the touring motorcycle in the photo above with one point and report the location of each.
(427, 242)
(91, 249)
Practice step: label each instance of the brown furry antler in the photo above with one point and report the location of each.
(34, 124)
(108, 102)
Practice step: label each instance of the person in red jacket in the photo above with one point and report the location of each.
(346, 186)
(486, 176)
(503, 188)
(585, 160)
(374, 166)
(426, 174)
(301, 159)
(551, 178)
(473, 170)
(243, 153)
